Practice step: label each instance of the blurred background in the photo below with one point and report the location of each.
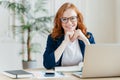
(25, 25)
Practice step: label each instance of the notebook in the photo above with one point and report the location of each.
(101, 60)
(18, 74)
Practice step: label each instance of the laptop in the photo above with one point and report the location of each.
(100, 60)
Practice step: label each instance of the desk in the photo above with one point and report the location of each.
(71, 77)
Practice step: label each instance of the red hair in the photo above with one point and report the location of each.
(58, 31)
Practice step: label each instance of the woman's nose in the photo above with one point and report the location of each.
(69, 22)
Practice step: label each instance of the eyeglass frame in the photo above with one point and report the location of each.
(69, 18)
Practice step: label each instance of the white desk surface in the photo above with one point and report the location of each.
(71, 77)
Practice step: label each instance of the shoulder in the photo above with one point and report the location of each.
(50, 39)
(91, 37)
(58, 39)
(89, 34)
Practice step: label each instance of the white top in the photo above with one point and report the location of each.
(72, 54)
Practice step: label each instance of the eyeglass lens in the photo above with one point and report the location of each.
(72, 19)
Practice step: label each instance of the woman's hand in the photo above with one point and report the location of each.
(68, 36)
(79, 35)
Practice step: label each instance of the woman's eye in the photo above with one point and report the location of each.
(72, 18)
(64, 19)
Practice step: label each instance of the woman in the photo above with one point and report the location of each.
(66, 43)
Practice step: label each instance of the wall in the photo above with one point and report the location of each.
(4, 21)
(10, 58)
(117, 30)
(9, 48)
(101, 20)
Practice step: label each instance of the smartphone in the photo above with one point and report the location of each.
(49, 74)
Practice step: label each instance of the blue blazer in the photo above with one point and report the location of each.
(52, 45)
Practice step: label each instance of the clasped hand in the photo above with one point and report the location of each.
(73, 35)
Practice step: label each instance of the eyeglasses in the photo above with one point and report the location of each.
(65, 19)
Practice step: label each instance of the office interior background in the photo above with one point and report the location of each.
(101, 17)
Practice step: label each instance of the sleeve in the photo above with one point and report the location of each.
(48, 56)
(91, 38)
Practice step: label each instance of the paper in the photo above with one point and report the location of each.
(68, 68)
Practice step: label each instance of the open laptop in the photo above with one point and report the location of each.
(101, 60)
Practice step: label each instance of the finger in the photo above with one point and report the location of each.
(70, 34)
(74, 37)
(67, 37)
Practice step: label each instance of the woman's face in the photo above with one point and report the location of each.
(69, 20)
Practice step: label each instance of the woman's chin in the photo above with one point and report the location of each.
(70, 30)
